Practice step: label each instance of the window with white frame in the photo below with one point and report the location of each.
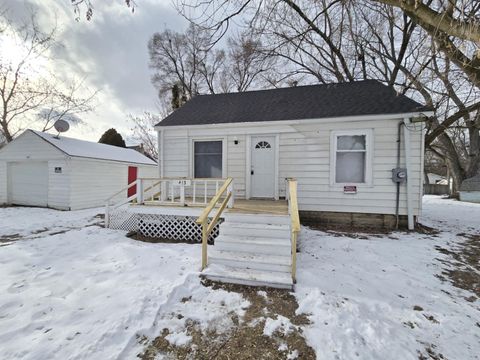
(351, 157)
(207, 157)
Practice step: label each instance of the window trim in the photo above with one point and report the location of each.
(368, 133)
(192, 155)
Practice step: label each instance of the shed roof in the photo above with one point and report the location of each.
(88, 149)
(369, 97)
(471, 184)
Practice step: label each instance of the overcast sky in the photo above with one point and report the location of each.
(110, 51)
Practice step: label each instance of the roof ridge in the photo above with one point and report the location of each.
(72, 147)
(291, 87)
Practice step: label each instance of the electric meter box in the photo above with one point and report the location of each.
(399, 175)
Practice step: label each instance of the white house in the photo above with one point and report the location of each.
(239, 171)
(340, 141)
(40, 169)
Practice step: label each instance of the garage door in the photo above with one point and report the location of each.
(28, 183)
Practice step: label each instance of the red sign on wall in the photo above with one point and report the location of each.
(349, 189)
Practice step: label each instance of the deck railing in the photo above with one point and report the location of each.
(177, 191)
(294, 222)
(203, 219)
(174, 191)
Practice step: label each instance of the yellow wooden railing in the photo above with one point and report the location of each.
(203, 219)
(295, 222)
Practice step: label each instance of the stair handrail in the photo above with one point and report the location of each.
(203, 218)
(120, 203)
(294, 222)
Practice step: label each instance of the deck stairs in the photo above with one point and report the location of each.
(252, 249)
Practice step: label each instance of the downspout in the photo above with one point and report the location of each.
(397, 204)
(161, 163)
(406, 136)
(160, 153)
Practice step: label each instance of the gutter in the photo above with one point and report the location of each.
(408, 165)
(394, 116)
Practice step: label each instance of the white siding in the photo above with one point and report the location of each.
(3, 182)
(29, 146)
(145, 171)
(59, 184)
(92, 182)
(304, 153)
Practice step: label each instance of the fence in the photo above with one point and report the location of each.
(435, 189)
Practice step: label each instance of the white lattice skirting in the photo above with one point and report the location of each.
(158, 226)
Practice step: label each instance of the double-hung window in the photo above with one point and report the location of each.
(207, 157)
(351, 160)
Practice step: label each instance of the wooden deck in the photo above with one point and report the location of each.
(273, 207)
(241, 206)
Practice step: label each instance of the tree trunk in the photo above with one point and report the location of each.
(5, 131)
(453, 162)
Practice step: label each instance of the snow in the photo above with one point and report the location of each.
(280, 324)
(88, 149)
(192, 303)
(179, 339)
(72, 289)
(82, 294)
(37, 222)
(360, 294)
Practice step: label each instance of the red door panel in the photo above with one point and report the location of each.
(132, 176)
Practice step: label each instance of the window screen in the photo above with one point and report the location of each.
(208, 159)
(350, 159)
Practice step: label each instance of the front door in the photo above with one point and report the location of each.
(263, 166)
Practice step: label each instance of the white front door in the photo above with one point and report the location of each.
(262, 170)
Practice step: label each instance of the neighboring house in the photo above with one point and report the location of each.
(437, 185)
(470, 189)
(339, 141)
(437, 179)
(40, 169)
(141, 149)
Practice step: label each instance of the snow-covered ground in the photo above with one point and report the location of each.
(82, 294)
(70, 289)
(361, 293)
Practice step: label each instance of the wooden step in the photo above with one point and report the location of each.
(254, 245)
(257, 219)
(255, 230)
(229, 274)
(248, 260)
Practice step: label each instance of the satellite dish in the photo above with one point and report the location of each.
(61, 126)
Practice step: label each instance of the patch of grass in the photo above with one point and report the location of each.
(463, 265)
(245, 340)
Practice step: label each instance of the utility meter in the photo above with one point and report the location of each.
(399, 175)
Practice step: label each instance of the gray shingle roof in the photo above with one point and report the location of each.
(369, 97)
(471, 184)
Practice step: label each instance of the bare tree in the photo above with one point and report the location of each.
(183, 59)
(30, 93)
(144, 133)
(185, 64)
(86, 6)
(247, 62)
(67, 105)
(455, 27)
(330, 40)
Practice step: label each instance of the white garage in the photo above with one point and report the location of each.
(40, 169)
